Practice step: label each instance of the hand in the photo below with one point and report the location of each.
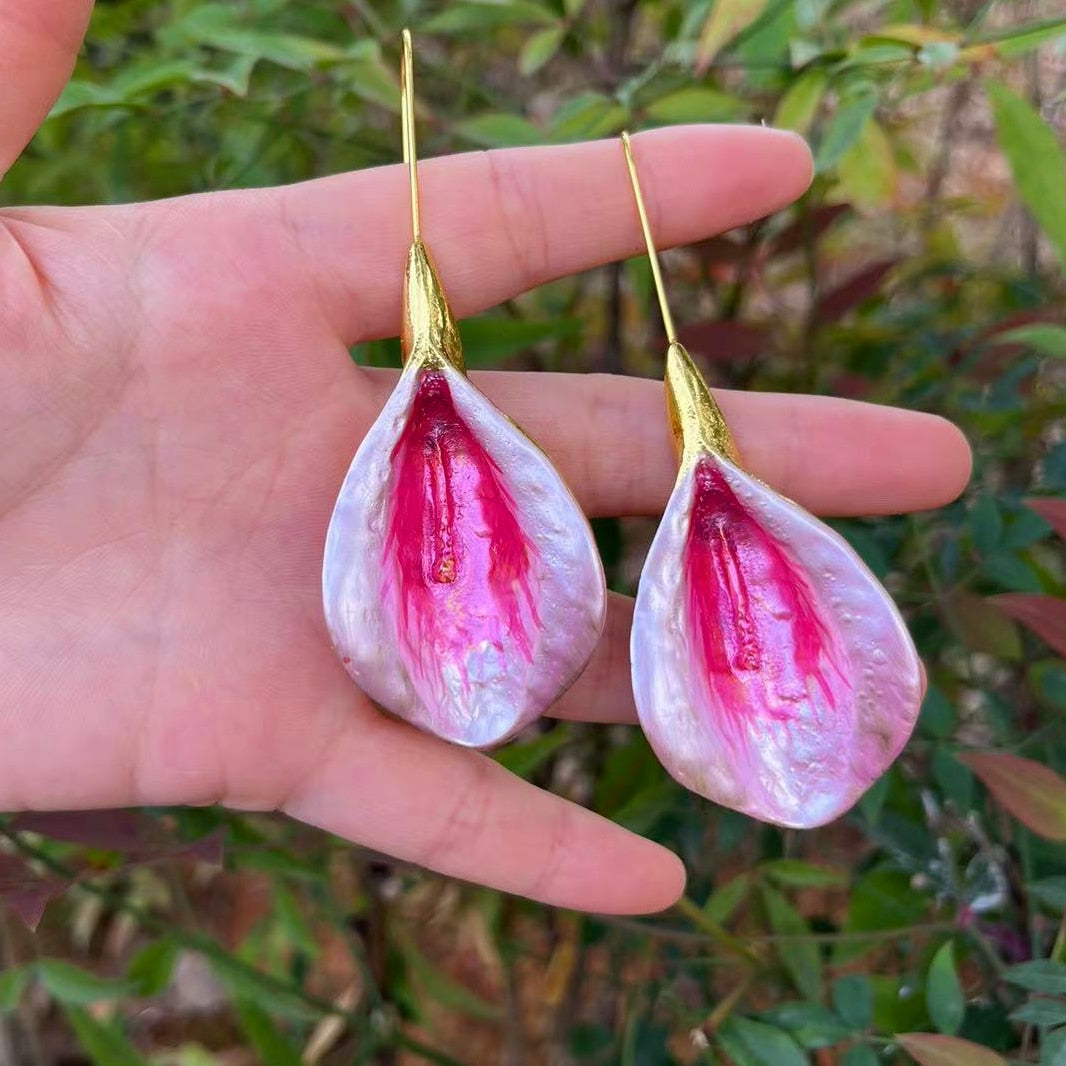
(178, 409)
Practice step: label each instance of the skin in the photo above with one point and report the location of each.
(178, 409)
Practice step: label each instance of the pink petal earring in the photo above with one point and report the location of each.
(772, 672)
(461, 583)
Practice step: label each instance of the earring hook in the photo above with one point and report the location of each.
(653, 255)
(407, 111)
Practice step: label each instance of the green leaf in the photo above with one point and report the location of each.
(586, 116)
(930, 1049)
(223, 27)
(747, 1041)
(860, 1055)
(245, 983)
(151, 968)
(794, 873)
(1012, 572)
(13, 983)
(1018, 39)
(799, 958)
(235, 77)
(1042, 1012)
(540, 49)
(149, 77)
(938, 716)
(724, 900)
(943, 993)
(812, 1025)
(71, 984)
(986, 522)
(1040, 975)
(854, 111)
(1040, 336)
(797, 109)
(79, 94)
(524, 758)
(104, 1044)
(899, 1005)
(1050, 891)
(1036, 160)
(498, 130)
(954, 778)
(371, 80)
(488, 340)
(464, 18)
(853, 1000)
(1048, 678)
(874, 797)
(1053, 1048)
(883, 899)
(867, 171)
(726, 20)
(696, 103)
(270, 1043)
(291, 919)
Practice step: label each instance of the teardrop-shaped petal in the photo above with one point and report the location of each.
(772, 672)
(462, 585)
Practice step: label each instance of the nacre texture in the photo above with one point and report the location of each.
(462, 586)
(772, 672)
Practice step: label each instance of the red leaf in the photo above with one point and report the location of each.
(836, 303)
(809, 227)
(26, 893)
(1044, 615)
(136, 836)
(1035, 795)
(850, 386)
(1052, 509)
(129, 832)
(932, 1049)
(719, 251)
(724, 341)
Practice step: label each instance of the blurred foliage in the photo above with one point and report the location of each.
(923, 268)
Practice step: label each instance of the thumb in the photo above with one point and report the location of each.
(39, 42)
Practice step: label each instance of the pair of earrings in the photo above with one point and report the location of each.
(463, 590)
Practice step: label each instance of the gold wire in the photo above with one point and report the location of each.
(696, 420)
(407, 111)
(429, 337)
(653, 255)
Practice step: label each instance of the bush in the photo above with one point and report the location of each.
(923, 268)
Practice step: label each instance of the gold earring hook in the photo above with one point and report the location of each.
(429, 337)
(407, 112)
(653, 255)
(695, 417)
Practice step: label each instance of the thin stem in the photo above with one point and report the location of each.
(407, 110)
(653, 256)
(696, 915)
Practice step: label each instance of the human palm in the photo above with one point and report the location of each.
(178, 409)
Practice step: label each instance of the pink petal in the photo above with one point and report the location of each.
(772, 672)
(461, 583)
(761, 640)
(460, 574)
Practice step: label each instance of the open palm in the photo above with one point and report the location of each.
(178, 409)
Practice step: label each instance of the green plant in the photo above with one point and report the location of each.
(935, 910)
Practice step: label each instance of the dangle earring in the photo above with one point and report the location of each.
(461, 583)
(772, 673)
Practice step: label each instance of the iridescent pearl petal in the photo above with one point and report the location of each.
(461, 583)
(772, 672)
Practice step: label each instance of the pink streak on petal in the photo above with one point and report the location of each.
(767, 650)
(459, 571)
